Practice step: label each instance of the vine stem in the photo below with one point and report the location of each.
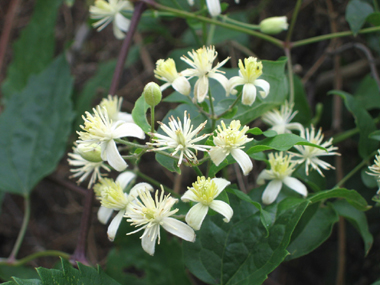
(231, 106)
(290, 75)
(294, 19)
(139, 8)
(156, 183)
(213, 119)
(80, 250)
(35, 256)
(185, 14)
(356, 169)
(332, 36)
(21, 234)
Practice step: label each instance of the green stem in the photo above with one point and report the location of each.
(130, 143)
(156, 183)
(231, 106)
(204, 26)
(332, 36)
(34, 256)
(24, 226)
(198, 171)
(290, 75)
(213, 118)
(294, 19)
(356, 169)
(210, 36)
(152, 121)
(186, 15)
(345, 135)
(225, 18)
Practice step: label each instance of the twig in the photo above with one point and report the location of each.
(67, 184)
(139, 8)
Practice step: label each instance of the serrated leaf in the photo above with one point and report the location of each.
(356, 14)
(313, 229)
(34, 127)
(19, 281)
(363, 121)
(34, 49)
(238, 252)
(139, 114)
(352, 197)
(70, 275)
(357, 219)
(281, 142)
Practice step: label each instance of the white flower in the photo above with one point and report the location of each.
(149, 215)
(375, 168)
(113, 198)
(113, 105)
(85, 167)
(99, 129)
(248, 77)
(167, 71)
(281, 168)
(201, 61)
(204, 192)
(280, 120)
(309, 154)
(111, 11)
(214, 7)
(231, 140)
(181, 138)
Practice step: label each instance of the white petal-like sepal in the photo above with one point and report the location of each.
(249, 94)
(113, 156)
(271, 191)
(217, 155)
(264, 85)
(178, 229)
(243, 159)
(114, 225)
(222, 208)
(196, 215)
(214, 7)
(104, 214)
(296, 185)
(182, 85)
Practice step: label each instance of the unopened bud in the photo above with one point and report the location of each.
(152, 94)
(274, 25)
(91, 152)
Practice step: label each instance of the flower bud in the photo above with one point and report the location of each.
(152, 94)
(90, 152)
(274, 25)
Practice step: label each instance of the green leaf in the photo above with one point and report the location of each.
(18, 281)
(70, 275)
(314, 180)
(368, 93)
(357, 219)
(356, 14)
(375, 135)
(312, 230)
(139, 114)
(169, 163)
(23, 272)
(352, 197)
(368, 180)
(300, 103)
(34, 128)
(363, 121)
(238, 252)
(128, 263)
(34, 49)
(281, 142)
(265, 217)
(257, 131)
(374, 19)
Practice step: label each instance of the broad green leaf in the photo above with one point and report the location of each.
(99, 84)
(357, 219)
(34, 49)
(19, 281)
(368, 180)
(374, 19)
(375, 135)
(266, 218)
(238, 252)
(356, 14)
(301, 104)
(139, 114)
(376, 283)
(368, 93)
(352, 197)
(169, 163)
(312, 230)
(34, 128)
(256, 131)
(314, 180)
(281, 142)
(70, 275)
(363, 121)
(23, 272)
